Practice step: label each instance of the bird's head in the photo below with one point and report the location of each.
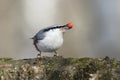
(66, 27)
(62, 28)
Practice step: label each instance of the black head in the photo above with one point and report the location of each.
(64, 27)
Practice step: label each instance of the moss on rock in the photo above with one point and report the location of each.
(59, 68)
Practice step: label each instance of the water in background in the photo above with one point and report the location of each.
(95, 33)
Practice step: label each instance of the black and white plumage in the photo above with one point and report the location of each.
(51, 38)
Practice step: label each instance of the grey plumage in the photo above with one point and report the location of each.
(41, 34)
(51, 38)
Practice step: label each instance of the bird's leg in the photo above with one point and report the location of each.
(35, 44)
(39, 55)
(38, 59)
(56, 54)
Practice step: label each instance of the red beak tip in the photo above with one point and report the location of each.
(70, 25)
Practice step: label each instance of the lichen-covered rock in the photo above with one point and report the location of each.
(58, 68)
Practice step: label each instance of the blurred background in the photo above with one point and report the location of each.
(95, 33)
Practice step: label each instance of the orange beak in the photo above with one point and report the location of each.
(70, 25)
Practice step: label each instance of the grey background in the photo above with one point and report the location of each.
(95, 33)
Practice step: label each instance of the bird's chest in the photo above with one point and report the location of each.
(53, 39)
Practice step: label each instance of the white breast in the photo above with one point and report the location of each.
(53, 40)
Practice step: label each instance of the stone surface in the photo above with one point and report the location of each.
(59, 68)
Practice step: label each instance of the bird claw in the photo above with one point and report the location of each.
(57, 55)
(38, 59)
(39, 56)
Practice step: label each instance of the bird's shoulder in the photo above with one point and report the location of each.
(41, 34)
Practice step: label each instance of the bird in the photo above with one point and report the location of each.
(50, 39)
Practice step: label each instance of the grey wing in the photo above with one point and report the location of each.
(39, 36)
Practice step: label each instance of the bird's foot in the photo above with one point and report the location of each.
(57, 55)
(39, 55)
(38, 59)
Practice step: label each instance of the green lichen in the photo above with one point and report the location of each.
(5, 59)
(59, 68)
